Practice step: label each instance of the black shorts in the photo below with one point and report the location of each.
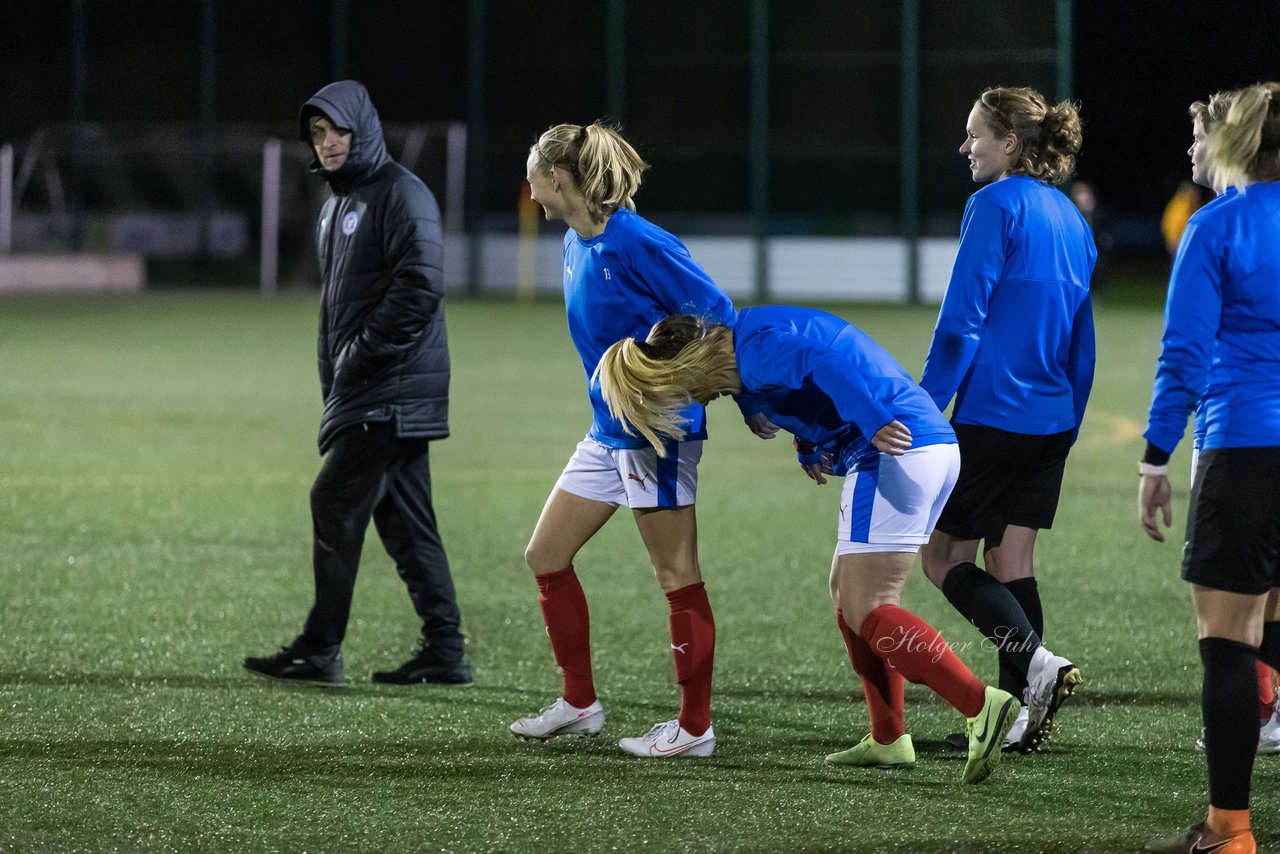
(1005, 479)
(1233, 526)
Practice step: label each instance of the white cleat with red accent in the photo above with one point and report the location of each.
(560, 718)
(670, 739)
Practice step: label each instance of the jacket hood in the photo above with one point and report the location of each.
(347, 104)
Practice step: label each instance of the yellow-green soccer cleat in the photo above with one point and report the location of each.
(870, 753)
(986, 733)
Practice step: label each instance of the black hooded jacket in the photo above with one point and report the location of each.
(382, 349)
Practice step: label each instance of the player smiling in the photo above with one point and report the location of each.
(1014, 346)
(621, 274)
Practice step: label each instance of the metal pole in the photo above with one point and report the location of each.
(760, 143)
(6, 199)
(208, 128)
(455, 178)
(339, 38)
(79, 118)
(1065, 48)
(477, 160)
(910, 146)
(269, 269)
(616, 60)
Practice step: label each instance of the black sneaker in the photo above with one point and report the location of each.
(431, 666)
(293, 664)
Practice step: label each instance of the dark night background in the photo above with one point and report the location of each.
(834, 85)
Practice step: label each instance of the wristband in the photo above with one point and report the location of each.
(807, 460)
(1145, 469)
(807, 452)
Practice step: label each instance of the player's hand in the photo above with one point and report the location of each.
(815, 471)
(812, 460)
(760, 424)
(893, 439)
(1154, 493)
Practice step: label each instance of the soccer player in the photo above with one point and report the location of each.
(621, 274)
(854, 413)
(1014, 346)
(1205, 116)
(1222, 345)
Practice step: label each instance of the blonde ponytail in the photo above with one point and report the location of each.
(1245, 146)
(605, 167)
(647, 383)
(609, 170)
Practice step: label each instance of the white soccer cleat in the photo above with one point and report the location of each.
(670, 739)
(1051, 679)
(1268, 736)
(560, 718)
(1013, 741)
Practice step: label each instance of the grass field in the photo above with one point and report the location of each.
(155, 461)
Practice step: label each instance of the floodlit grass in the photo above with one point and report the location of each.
(155, 460)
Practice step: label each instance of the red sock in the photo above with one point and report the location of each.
(693, 646)
(915, 649)
(1266, 692)
(882, 686)
(564, 609)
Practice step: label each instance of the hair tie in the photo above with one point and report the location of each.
(582, 134)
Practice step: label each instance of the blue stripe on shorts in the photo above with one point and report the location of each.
(668, 468)
(864, 496)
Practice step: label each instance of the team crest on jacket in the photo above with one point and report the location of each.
(349, 223)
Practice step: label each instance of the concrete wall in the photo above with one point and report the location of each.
(801, 269)
(78, 272)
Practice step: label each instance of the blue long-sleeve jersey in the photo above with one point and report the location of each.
(1200, 427)
(1222, 327)
(825, 381)
(617, 285)
(1014, 340)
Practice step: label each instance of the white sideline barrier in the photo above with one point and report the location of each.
(64, 273)
(801, 269)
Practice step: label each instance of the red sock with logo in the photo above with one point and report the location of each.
(914, 648)
(882, 687)
(693, 646)
(564, 609)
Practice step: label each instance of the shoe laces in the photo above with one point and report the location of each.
(560, 701)
(657, 731)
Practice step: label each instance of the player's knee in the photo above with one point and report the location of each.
(935, 569)
(541, 560)
(672, 577)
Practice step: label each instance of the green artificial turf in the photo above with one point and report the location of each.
(155, 461)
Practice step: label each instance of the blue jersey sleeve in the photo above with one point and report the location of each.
(1193, 312)
(984, 236)
(679, 283)
(783, 361)
(1081, 360)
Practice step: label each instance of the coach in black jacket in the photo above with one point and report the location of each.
(384, 372)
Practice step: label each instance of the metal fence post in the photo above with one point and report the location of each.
(269, 267)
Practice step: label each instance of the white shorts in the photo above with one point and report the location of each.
(633, 477)
(892, 504)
